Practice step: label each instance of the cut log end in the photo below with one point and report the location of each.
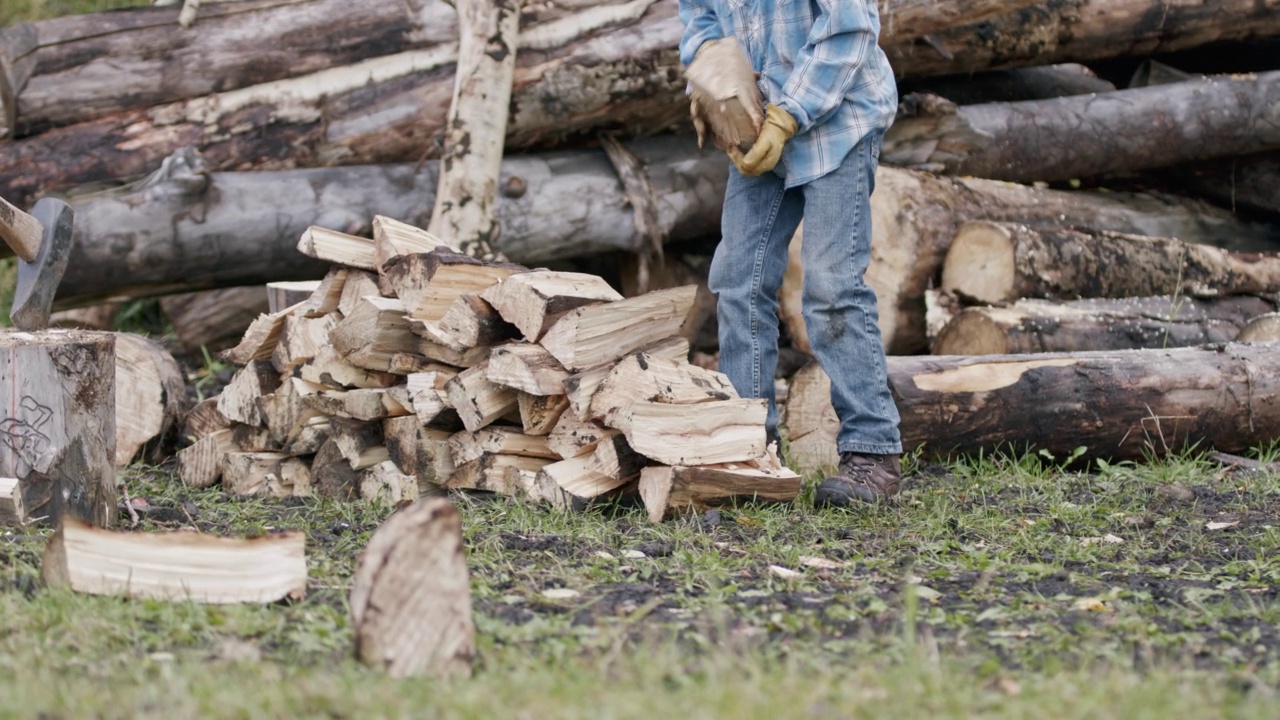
(980, 263)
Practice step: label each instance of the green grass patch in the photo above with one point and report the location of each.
(1005, 587)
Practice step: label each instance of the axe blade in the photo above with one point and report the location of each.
(38, 280)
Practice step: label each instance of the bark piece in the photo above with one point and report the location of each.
(1118, 405)
(467, 446)
(265, 474)
(999, 262)
(154, 397)
(668, 491)
(200, 464)
(177, 566)
(528, 368)
(533, 301)
(540, 413)
(478, 401)
(411, 594)
(1125, 324)
(419, 451)
(649, 378)
(704, 434)
(596, 334)
(59, 433)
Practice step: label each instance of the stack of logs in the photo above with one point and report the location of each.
(412, 368)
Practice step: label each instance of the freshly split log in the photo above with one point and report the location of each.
(1031, 326)
(411, 594)
(596, 334)
(58, 434)
(265, 474)
(641, 377)
(152, 398)
(528, 368)
(176, 566)
(718, 431)
(1091, 135)
(239, 399)
(287, 293)
(1118, 405)
(533, 301)
(993, 262)
(200, 464)
(419, 451)
(668, 491)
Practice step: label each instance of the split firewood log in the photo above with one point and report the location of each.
(668, 491)
(151, 396)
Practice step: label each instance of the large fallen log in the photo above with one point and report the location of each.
(1250, 183)
(1089, 135)
(1012, 85)
(88, 65)
(1031, 326)
(991, 262)
(915, 216)
(1118, 405)
(186, 229)
(611, 67)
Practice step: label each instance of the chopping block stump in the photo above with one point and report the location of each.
(57, 427)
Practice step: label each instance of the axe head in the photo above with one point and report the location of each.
(38, 280)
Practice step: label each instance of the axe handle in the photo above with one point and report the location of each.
(21, 232)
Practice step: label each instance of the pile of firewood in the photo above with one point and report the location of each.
(412, 368)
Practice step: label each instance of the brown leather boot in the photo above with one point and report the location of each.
(868, 478)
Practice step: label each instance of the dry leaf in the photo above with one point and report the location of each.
(1220, 525)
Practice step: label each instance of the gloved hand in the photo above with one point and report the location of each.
(763, 156)
(724, 101)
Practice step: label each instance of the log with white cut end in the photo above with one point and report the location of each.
(202, 419)
(374, 330)
(643, 377)
(265, 474)
(466, 446)
(58, 434)
(533, 301)
(330, 369)
(419, 451)
(1000, 262)
(668, 491)
(259, 341)
(428, 395)
(1097, 324)
(528, 368)
(596, 334)
(325, 298)
(704, 433)
(411, 594)
(477, 400)
(12, 512)
(154, 397)
(1120, 404)
(572, 483)
(581, 386)
(1262, 329)
(176, 566)
(357, 404)
(301, 339)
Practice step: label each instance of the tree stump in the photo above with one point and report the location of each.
(411, 598)
(58, 433)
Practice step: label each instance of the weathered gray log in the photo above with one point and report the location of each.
(1030, 326)
(58, 435)
(611, 67)
(187, 229)
(1013, 85)
(1091, 135)
(1118, 405)
(1250, 183)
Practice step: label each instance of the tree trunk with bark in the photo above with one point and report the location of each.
(1031, 326)
(993, 262)
(1013, 85)
(603, 68)
(1091, 135)
(1118, 405)
(915, 216)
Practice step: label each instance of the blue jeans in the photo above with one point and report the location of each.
(760, 217)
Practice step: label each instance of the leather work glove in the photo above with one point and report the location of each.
(724, 101)
(778, 128)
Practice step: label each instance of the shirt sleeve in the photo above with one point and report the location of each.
(843, 36)
(700, 25)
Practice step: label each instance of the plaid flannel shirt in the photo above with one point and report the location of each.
(818, 59)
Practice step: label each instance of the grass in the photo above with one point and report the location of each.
(14, 11)
(995, 588)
